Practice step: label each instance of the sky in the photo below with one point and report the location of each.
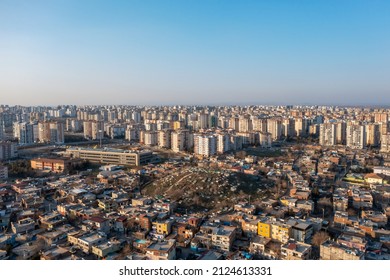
(216, 52)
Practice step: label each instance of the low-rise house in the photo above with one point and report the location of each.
(163, 227)
(162, 250)
(376, 178)
(305, 205)
(100, 223)
(301, 231)
(52, 220)
(23, 226)
(3, 255)
(28, 250)
(245, 208)
(258, 244)
(376, 217)
(222, 237)
(294, 250)
(103, 249)
(120, 224)
(361, 199)
(87, 241)
(331, 250)
(352, 241)
(53, 237)
(107, 205)
(250, 227)
(56, 253)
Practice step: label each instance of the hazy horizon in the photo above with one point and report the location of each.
(334, 53)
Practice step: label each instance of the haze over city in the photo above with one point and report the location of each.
(194, 52)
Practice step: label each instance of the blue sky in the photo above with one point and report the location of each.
(195, 52)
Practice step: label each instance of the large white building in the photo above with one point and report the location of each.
(356, 136)
(205, 145)
(328, 134)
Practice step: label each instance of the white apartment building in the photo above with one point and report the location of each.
(205, 145)
(328, 134)
(356, 136)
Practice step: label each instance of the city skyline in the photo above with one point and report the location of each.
(195, 53)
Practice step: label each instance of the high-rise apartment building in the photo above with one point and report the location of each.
(301, 127)
(93, 130)
(182, 140)
(274, 126)
(373, 134)
(328, 134)
(356, 136)
(234, 123)
(205, 145)
(74, 125)
(150, 138)
(265, 139)
(8, 150)
(288, 127)
(164, 138)
(26, 133)
(385, 143)
(51, 132)
(223, 143)
(244, 124)
(341, 133)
